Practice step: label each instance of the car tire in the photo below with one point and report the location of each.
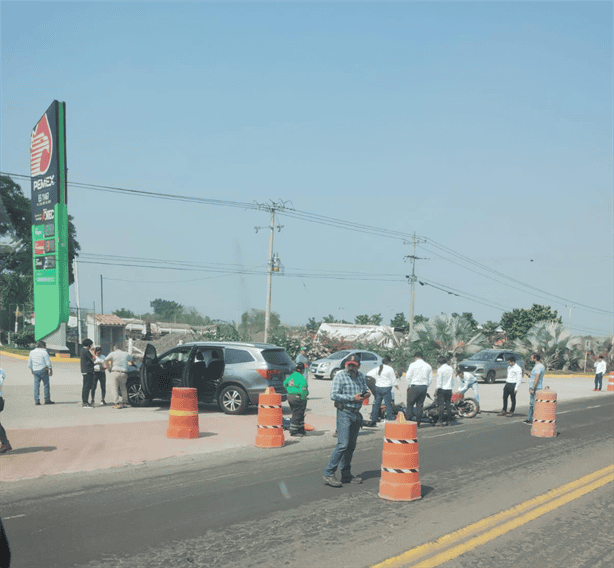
(136, 396)
(490, 377)
(233, 400)
(333, 373)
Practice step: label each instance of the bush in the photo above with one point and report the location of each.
(24, 339)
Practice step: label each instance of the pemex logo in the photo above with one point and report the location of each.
(40, 148)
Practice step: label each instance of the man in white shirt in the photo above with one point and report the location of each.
(419, 375)
(600, 369)
(385, 379)
(512, 384)
(444, 383)
(39, 363)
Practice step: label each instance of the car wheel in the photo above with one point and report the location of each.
(490, 377)
(333, 373)
(136, 396)
(233, 400)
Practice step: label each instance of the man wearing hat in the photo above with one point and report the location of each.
(348, 390)
(296, 386)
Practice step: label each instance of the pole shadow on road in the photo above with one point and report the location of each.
(32, 449)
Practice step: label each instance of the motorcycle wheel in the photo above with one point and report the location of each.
(468, 408)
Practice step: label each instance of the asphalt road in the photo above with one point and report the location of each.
(254, 507)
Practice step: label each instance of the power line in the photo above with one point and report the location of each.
(338, 223)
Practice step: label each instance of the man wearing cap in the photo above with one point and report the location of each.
(296, 386)
(348, 390)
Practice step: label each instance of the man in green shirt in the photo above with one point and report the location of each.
(296, 386)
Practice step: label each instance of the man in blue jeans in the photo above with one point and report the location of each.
(535, 383)
(348, 390)
(39, 363)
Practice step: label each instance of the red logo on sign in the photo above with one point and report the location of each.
(40, 148)
(39, 247)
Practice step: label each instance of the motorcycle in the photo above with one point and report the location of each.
(463, 407)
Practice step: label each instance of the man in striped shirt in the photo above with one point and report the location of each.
(348, 390)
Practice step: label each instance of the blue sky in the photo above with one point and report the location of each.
(485, 127)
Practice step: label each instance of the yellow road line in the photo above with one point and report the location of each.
(523, 513)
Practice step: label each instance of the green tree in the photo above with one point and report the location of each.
(166, 310)
(329, 319)
(450, 336)
(124, 313)
(376, 319)
(399, 321)
(313, 325)
(254, 320)
(558, 349)
(420, 319)
(362, 320)
(490, 333)
(519, 321)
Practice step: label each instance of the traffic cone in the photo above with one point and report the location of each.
(183, 414)
(544, 419)
(611, 381)
(400, 479)
(270, 420)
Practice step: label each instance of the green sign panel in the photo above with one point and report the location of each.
(49, 220)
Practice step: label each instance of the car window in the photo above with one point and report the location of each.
(181, 355)
(482, 356)
(233, 356)
(499, 357)
(276, 357)
(368, 356)
(338, 355)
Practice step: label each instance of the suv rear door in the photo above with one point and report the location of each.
(160, 374)
(204, 370)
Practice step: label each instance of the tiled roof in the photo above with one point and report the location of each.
(108, 319)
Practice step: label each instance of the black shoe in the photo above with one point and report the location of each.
(352, 479)
(298, 435)
(49, 402)
(369, 424)
(37, 403)
(528, 421)
(332, 481)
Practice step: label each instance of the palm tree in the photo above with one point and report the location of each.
(558, 349)
(446, 335)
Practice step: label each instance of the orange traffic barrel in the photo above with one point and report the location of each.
(183, 415)
(270, 420)
(611, 381)
(400, 479)
(544, 418)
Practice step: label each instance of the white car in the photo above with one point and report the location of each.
(327, 368)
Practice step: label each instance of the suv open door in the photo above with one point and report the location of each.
(148, 372)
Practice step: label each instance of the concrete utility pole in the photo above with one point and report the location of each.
(412, 281)
(273, 259)
(101, 297)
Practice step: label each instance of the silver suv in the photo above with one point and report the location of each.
(328, 367)
(490, 364)
(230, 373)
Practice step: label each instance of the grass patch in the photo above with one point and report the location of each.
(15, 350)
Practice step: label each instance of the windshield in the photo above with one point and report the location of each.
(339, 354)
(482, 356)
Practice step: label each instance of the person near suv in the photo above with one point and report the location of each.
(419, 375)
(348, 390)
(87, 371)
(296, 387)
(384, 378)
(512, 384)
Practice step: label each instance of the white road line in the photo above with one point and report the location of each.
(447, 434)
(14, 517)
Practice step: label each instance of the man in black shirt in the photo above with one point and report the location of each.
(87, 370)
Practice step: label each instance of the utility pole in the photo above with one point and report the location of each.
(412, 280)
(272, 208)
(101, 297)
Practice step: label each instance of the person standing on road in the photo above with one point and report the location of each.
(535, 383)
(468, 381)
(348, 390)
(385, 378)
(419, 375)
(39, 363)
(512, 384)
(118, 362)
(444, 383)
(100, 376)
(5, 445)
(296, 385)
(87, 370)
(600, 369)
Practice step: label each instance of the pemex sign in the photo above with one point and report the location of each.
(49, 221)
